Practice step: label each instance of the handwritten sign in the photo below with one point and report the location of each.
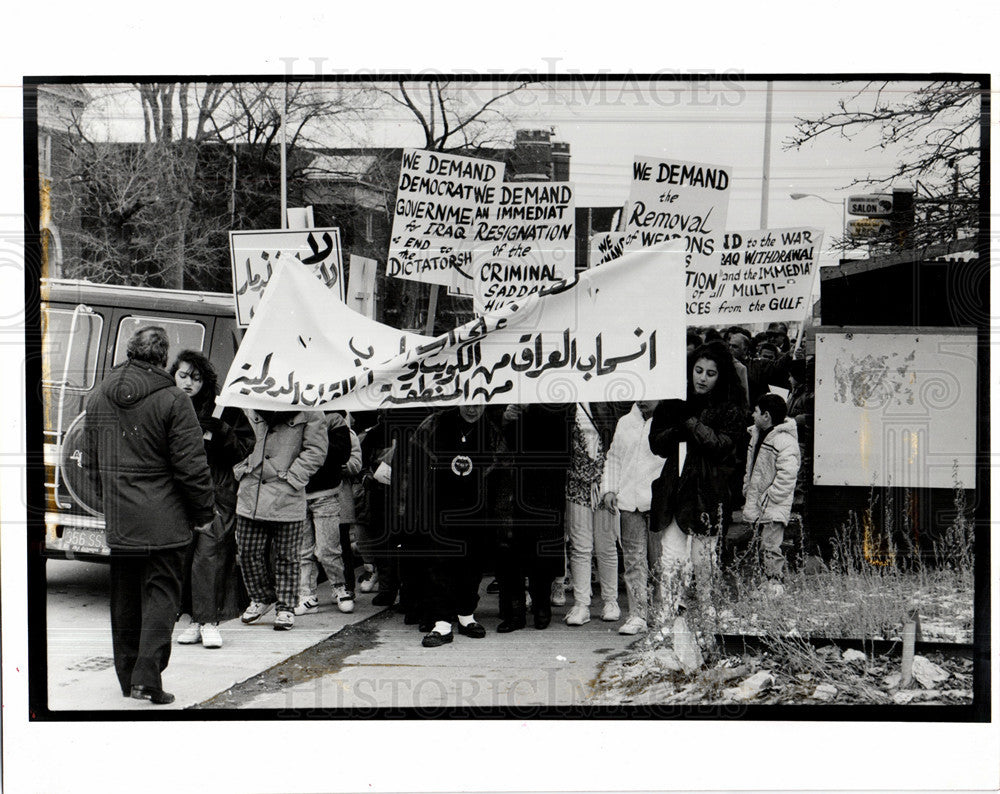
(309, 352)
(605, 246)
(527, 245)
(255, 256)
(676, 200)
(764, 276)
(439, 200)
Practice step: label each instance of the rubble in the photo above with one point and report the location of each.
(927, 673)
(825, 692)
(851, 655)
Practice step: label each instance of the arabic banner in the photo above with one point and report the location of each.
(439, 199)
(528, 243)
(765, 275)
(308, 351)
(672, 199)
(255, 256)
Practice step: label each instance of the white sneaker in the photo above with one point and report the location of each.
(345, 603)
(634, 625)
(369, 585)
(557, 597)
(283, 621)
(256, 611)
(210, 636)
(578, 615)
(307, 606)
(191, 635)
(611, 611)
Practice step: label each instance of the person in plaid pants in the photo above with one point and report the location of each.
(271, 504)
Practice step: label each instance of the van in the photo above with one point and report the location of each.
(85, 331)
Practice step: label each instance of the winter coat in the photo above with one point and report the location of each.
(699, 499)
(273, 477)
(228, 440)
(327, 478)
(144, 449)
(769, 482)
(631, 466)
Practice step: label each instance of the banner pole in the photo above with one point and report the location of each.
(432, 310)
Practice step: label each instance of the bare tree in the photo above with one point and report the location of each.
(936, 129)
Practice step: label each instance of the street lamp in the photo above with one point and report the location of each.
(842, 202)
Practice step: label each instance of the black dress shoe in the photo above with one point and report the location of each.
(433, 640)
(511, 624)
(155, 696)
(543, 617)
(426, 625)
(475, 630)
(384, 599)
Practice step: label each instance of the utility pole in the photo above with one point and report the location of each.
(765, 183)
(284, 173)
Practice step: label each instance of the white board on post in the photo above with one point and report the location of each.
(895, 407)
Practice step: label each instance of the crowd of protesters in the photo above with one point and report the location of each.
(425, 503)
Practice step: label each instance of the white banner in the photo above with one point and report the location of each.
(765, 275)
(439, 200)
(255, 256)
(678, 200)
(306, 351)
(527, 245)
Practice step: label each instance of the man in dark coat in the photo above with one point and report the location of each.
(147, 458)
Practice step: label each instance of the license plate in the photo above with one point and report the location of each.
(85, 541)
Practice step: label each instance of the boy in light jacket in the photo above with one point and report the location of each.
(769, 482)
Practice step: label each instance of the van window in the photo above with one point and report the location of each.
(81, 372)
(183, 334)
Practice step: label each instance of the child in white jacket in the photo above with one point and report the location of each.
(769, 482)
(626, 485)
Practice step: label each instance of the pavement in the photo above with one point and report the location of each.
(329, 660)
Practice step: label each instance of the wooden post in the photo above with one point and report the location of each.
(909, 641)
(432, 310)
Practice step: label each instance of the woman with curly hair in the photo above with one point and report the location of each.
(212, 588)
(693, 507)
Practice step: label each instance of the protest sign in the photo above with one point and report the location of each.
(306, 351)
(255, 256)
(764, 276)
(672, 199)
(439, 199)
(605, 246)
(528, 243)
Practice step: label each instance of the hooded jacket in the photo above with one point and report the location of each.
(144, 448)
(769, 482)
(273, 477)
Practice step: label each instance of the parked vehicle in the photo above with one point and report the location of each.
(85, 330)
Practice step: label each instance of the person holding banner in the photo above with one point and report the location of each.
(271, 506)
(591, 528)
(693, 508)
(455, 481)
(531, 541)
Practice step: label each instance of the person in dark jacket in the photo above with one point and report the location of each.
(694, 508)
(321, 539)
(213, 590)
(144, 449)
(455, 478)
(532, 535)
(271, 508)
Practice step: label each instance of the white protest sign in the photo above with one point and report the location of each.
(308, 352)
(765, 275)
(673, 199)
(527, 245)
(439, 199)
(255, 256)
(605, 246)
(361, 281)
